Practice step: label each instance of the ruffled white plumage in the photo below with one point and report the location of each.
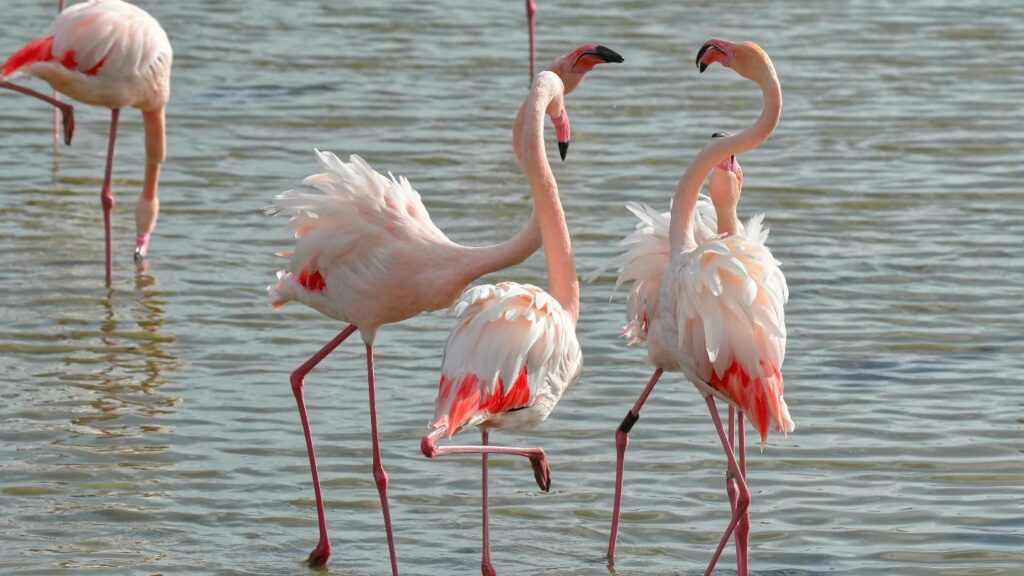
(500, 329)
(722, 312)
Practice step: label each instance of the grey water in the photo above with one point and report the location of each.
(151, 429)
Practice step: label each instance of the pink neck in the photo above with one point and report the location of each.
(548, 91)
(685, 201)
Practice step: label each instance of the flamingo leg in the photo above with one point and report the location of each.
(486, 567)
(531, 10)
(379, 475)
(539, 460)
(743, 527)
(107, 193)
(66, 110)
(322, 551)
(621, 441)
(56, 95)
(743, 495)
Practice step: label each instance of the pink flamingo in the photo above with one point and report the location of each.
(113, 54)
(708, 296)
(513, 351)
(367, 253)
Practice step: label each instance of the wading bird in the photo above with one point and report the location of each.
(707, 296)
(513, 351)
(107, 53)
(367, 253)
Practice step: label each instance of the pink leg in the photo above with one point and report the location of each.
(743, 527)
(379, 475)
(66, 110)
(107, 194)
(323, 549)
(621, 441)
(743, 497)
(531, 10)
(541, 471)
(486, 567)
(56, 95)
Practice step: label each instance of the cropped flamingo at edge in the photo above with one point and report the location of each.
(513, 351)
(712, 306)
(367, 253)
(113, 54)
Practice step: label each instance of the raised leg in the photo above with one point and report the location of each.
(107, 193)
(67, 111)
(322, 551)
(539, 460)
(148, 207)
(486, 567)
(621, 441)
(379, 475)
(531, 10)
(743, 495)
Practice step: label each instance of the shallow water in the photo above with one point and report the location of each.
(151, 428)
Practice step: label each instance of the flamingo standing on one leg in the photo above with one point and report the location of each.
(716, 312)
(368, 254)
(113, 54)
(513, 351)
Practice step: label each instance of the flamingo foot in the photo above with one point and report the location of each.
(541, 471)
(141, 247)
(320, 554)
(68, 121)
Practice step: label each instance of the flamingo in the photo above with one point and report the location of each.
(707, 295)
(113, 54)
(513, 351)
(367, 254)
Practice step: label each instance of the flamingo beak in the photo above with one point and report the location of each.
(713, 53)
(563, 149)
(602, 53)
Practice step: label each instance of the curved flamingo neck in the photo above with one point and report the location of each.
(685, 201)
(477, 261)
(548, 92)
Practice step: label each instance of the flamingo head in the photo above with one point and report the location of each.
(571, 69)
(746, 58)
(727, 179)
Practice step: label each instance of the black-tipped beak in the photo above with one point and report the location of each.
(701, 65)
(608, 55)
(563, 149)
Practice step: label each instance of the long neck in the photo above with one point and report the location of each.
(685, 202)
(564, 284)
(477, 261)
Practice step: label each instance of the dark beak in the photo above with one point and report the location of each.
(704, 50)
(720, 135)
(602, 53)
(563, 149)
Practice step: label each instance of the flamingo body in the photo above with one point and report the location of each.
(722, 309)
(364, 243)
(506, 333)
(103, 52)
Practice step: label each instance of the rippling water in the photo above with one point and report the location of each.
(151, 428)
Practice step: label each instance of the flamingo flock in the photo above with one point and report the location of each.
(706, 296)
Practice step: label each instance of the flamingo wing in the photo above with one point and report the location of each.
(645, 260)
(351, 213)
(726, 300)
(511, 344)
(106, 38)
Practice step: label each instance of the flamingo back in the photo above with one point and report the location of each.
(724, 304)
(511, 355)
(103, 52)
(348, 222)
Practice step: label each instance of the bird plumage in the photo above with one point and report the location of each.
(511, 355)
